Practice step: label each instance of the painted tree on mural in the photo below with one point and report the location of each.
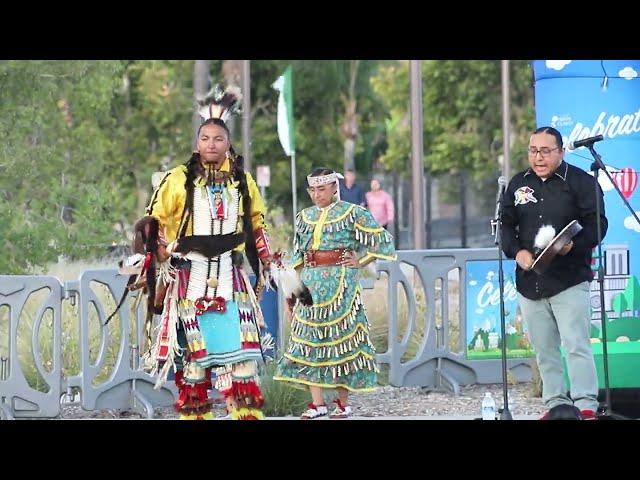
(627, 307)
(629, 300)
(626, 326)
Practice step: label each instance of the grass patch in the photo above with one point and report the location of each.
(281, 399)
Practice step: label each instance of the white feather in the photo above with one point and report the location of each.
(132, 265)
(209, 104)
(209, 111)
(235, 90)
(288, 280)
(204, 112)
(544, 237)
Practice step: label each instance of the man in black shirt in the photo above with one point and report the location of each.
(555, 305)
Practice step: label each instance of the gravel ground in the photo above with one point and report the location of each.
(387, 401)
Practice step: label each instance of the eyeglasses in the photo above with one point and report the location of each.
(544, 151)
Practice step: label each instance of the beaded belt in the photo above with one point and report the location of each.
(316, 258)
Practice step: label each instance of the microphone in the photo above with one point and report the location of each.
(502, 185)
(584, 142)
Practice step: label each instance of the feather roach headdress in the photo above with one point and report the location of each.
(219, 103)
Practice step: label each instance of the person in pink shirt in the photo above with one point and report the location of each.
(380, 204)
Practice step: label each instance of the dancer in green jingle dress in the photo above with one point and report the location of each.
(329, 346)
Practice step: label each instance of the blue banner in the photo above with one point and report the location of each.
(585, 98)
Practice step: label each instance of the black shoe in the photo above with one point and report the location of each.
(563, 412)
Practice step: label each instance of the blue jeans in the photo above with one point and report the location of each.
(566, 318)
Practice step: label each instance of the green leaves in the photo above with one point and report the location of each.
(80, 139)
(462, 114)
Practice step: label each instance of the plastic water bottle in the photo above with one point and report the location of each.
(488, 407)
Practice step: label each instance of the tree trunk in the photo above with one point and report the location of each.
(349, 154)
(201, 85)
(463, 208)
(350, 122)
(232, 74)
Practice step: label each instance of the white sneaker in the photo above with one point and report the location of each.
(341, 411)
(314, 411)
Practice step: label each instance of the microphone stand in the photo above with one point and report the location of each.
(496, 225)
(605, 413)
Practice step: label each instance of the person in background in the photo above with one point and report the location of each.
(380, 204)
(350, 191)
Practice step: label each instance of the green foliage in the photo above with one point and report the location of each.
(484, 337)
(391, 84)
(623, 327)
(280, 230)
(462, 114)
(82, 138)
(81, 141)
(318, 109)
(55, 123)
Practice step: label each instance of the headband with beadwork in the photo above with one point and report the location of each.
(322, 179)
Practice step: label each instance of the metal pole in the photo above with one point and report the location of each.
(294, 194)
(506, 121)
(427, 214)
(246, 115)
(396, 201)
(200, 87)
(417, 164)
(463, 208)
(506, 413)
